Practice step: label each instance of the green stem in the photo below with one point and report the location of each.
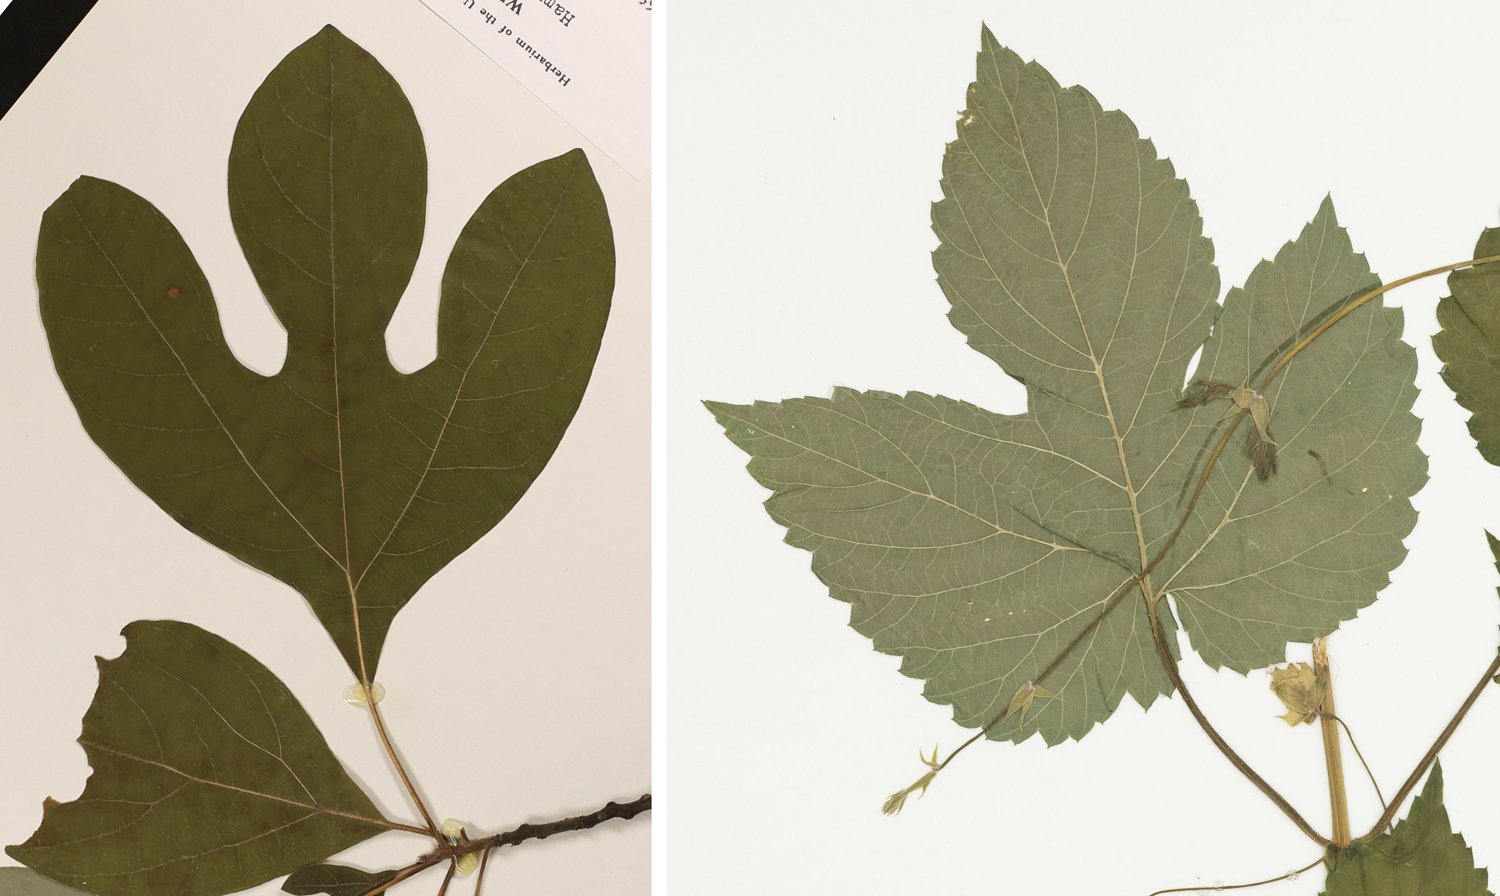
(1332, 758)
(1350, 734)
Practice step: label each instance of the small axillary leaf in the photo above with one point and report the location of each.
(1021, 702)
(897, 800)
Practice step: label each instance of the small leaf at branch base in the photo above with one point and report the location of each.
(25, 882)
(335, 880)
(1422, 856)
(209, 777)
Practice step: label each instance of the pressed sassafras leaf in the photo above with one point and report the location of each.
(209, 777)
(339, 475)
(335, 880)
(1422, 856)
(979, 546)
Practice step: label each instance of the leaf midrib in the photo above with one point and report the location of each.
(463, 380)
(999, 530)
(194, 779)
(188, 373)
(1062, 264)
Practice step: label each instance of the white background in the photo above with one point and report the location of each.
(519, 676)
(804, 151)
(604, 48)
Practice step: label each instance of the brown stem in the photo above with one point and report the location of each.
(484, 861)
(526, 832)
(447, 879)
(1332, 758)
(1416, 775)
(411, 870)
(1229, 753)
(1259, 883)
(448, 852)
(1350, 734)
(390, 750)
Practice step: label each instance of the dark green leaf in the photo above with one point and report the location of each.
(335, 880)
(979, 546)
(344, 478)
(25, 882)
(1422, 856)
(209, 777)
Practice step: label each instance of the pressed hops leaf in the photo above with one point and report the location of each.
(1469, 343)
(209, 777)
(341, 476)
(980, 546)
(1421, 856)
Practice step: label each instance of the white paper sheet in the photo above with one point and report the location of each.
(590, 60)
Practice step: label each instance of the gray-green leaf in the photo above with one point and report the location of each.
(335, 880)
(1469, 344)
(979, 546)
(209, 777)
(341, 476)
(1422, 856)
(25, 882)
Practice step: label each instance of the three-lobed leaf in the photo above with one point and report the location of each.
(350, 481)
(982, 547)
(1422, 855)
(209, 777)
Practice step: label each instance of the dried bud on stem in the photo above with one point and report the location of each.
(1261, 447)
(1301, 689)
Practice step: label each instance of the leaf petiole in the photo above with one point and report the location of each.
(390, 751)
